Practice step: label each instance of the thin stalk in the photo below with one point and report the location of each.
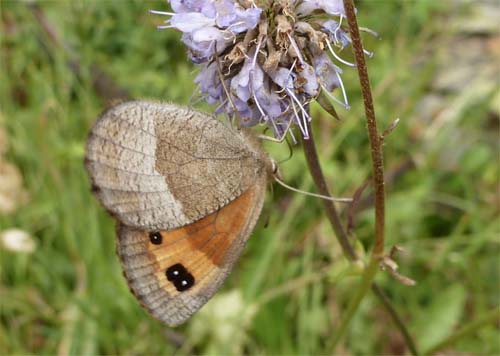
(396, 318)
(320, 182)
(378, 183)
(375, 140)
(360, 293)
(377, 171)
(313, 163)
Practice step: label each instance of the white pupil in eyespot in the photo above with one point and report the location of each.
(175, 273)
(184, 283)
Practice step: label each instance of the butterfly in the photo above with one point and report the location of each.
(186, 191)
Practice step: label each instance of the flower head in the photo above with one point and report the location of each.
(264, 61)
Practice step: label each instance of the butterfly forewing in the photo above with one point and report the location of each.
(160, 166)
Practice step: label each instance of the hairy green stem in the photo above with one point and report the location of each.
(360, 293)
(320, 182)
(378, 183)
(312, 159)
(378, 175)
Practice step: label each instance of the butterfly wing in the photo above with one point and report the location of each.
(161, 166)
(174, 273)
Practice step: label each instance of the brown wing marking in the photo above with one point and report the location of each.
(206, 249)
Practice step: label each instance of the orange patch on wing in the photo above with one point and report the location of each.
(203, 245)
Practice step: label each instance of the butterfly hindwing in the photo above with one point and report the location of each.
(174, 273)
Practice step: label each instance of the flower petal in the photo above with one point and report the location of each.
(336, 34)
(326, 72)
(190, 21)
(209, 82)
(283, 77)
(332, 7)
(203, 6)
(240, 82)
(311, 84)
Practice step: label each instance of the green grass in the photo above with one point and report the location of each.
(69, 296)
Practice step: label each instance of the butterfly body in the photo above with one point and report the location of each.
(186, 191)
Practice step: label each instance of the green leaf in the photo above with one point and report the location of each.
(325, 103)
(439, 319)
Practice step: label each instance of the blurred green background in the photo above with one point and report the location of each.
(435, 67)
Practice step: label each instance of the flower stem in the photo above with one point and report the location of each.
(378, 183)
(360, 293)
(320, 182)
(375, 140)
(312, 159)
(378, 175)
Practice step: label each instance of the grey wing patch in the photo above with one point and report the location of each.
(161, 166)
(120, 160)
(141, 271)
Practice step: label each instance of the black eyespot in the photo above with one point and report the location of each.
(184, 283)
(180, 277)
(155, 237)
(175, 272)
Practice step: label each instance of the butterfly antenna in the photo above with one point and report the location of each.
(338, 200)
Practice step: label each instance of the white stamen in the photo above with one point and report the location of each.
(231, 35)
(296, 48)
(161, 12)
(235, 24)
(162, 27)
(333, 98)
(337, 57)
(347, 106)
(337, 29)
(292, 95)
(287, 129)
(274, 125)
(256, 52)
(264, 115)
(292, 67)
(296, 114)
(297, 118)
(304, 119)
(254, 60)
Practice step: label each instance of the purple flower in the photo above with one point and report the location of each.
(331, 7)
(210, 84)
(191, 21)
(264, 64)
